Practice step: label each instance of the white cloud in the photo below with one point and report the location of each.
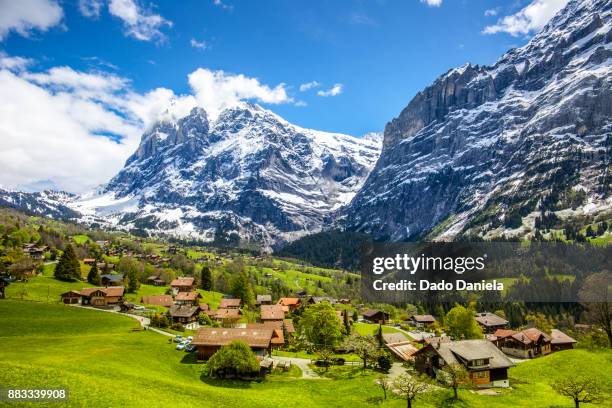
(198, 44)
(90, 8)
(531, 18)
(139, 23)
(309, 85)
(216, 90)
(224, 6)
(13, 63)
(75, 129)
(432, 3)
(24, 16)
(333, 91)
(490, 12)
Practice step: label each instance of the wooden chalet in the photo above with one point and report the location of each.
(421, 321)
(71, 297)
(111, 280)
(264, 300)
(289, 304)
(34, 251)
(183, 314)
(561, 341)
(188, 298)
(490, 322)
(182, 284)
(102, 296)
(226, 317)
(376, 316)
(230, 304)
(155, 280)
(486, 365)
(272, 313)
(209, 340)
(528, 343)
(157, 300)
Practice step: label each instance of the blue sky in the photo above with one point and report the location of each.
(378, 54)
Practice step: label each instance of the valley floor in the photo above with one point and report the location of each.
(103, 362)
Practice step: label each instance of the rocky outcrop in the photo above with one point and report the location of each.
(486, 146)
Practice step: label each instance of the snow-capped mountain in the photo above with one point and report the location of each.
(488, 149)
(249, 173)
(54, 204)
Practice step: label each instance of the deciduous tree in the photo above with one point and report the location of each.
(579, 389)
(320, 326)
(409, 387)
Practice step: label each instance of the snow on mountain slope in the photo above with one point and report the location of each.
(490, 149)
(249, 173)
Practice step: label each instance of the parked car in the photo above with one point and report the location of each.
(139, 307)
(178, 339)
(190, 348)
(190, 338)
(182, 345)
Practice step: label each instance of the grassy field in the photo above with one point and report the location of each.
(368, 328)
(104, 363)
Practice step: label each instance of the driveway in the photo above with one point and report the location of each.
(144, 321)
(302, 363)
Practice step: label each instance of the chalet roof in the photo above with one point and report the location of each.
(260, 337)
(319, 299)
(289, 301)
(227, 303)
(424, 318)
(530, 335)
(289, 326)
(182, 281)
(153, 277)
(277, 336)
(436, 340)
(404, 350)
(226, 313)
(489, 319)
(503, 333)
(188, 296)
(112, 277)
(183, 311)
(71, 293)
(272, 312)
(110, 291)
(470, 350)
(264, 298)
(558, 337)
(157, 300)
(394, 337)
(373, 312)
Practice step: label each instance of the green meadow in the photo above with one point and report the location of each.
(104, 363)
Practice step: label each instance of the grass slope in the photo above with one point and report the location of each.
(104, 363)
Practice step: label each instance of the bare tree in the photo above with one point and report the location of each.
(456, 376)
(594, 296)
(579, 389)
(409, 387)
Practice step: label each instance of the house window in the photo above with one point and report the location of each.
(481, 362)
(480, 374)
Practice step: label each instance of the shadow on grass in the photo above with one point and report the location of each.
(375, 400)
(217, 382)
(189, 358)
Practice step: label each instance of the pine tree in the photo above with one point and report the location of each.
(242, 289)
(93, 276)
(206, 278)
(68, 267)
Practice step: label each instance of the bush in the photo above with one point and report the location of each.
(234, 360)
(205, 320)
(178, 327)
(159, 320)
(384, 362)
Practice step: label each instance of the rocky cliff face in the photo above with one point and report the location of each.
(488, 149)
(247, 175)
